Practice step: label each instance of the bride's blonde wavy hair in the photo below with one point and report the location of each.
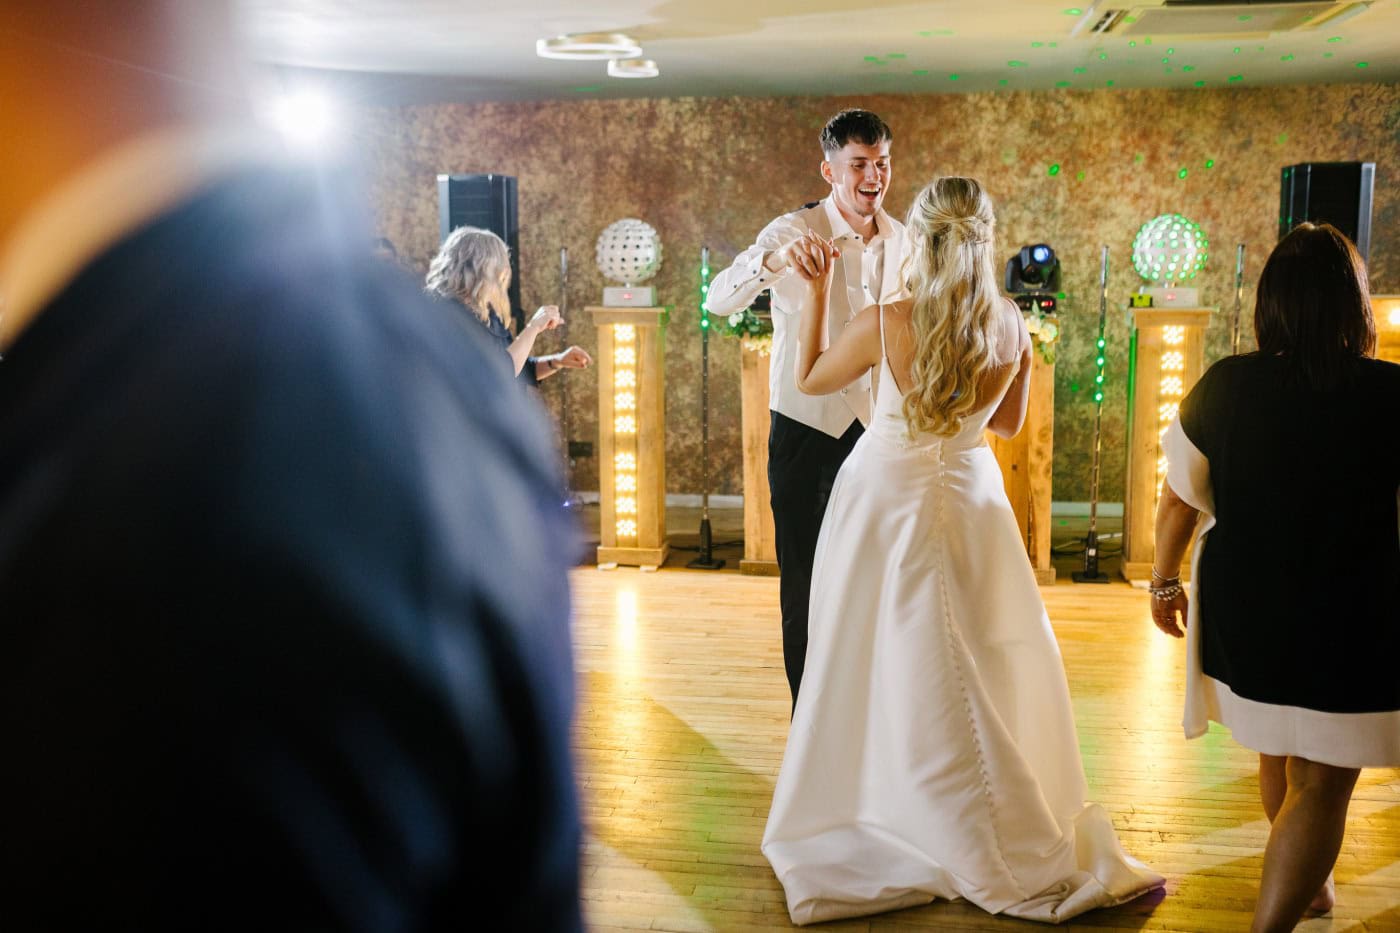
(952, 279)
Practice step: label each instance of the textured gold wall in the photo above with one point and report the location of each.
(714, 171)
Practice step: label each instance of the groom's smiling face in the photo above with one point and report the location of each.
(859, 175)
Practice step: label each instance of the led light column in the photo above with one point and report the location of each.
(1169, 358)
(631, 436)
(1386, 310)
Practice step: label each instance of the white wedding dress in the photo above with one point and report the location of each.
(932, 752)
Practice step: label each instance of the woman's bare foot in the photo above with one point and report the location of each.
(1326, 897)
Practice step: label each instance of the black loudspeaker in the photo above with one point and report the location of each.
(488, 202)
(1336, 193)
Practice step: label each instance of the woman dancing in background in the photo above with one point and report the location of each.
(472, 269)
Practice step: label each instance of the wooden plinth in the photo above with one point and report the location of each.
(1027, 469)
(760, 542)
(646, 442)
(1386, 309)
(1153, 343)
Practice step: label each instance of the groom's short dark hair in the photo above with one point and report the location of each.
(853, 125)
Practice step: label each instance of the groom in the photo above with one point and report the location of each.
(811, 435)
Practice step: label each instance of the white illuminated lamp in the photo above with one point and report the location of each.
(304, 117)
(588, 46)
(1170, 250)
(629, 252)
(632, 68)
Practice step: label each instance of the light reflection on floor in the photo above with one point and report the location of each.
(683, 714)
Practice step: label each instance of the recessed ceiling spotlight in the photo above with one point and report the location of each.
(633, 68)
(588, 46)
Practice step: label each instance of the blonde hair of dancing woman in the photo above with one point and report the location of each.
(473, 267)
(952, 280)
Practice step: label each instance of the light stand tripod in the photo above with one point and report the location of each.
(706, 560)
(1239, 300)
(1090, 573)
(571, 499)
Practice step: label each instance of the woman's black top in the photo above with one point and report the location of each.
(498, 332)
(1299, 580)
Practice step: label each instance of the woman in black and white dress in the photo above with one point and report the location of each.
(1293, 625)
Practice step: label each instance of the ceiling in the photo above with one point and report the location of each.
(396, 51)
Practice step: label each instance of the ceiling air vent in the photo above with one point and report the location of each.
(1204, 18)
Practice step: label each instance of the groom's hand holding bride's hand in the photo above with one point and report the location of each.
(812, 256)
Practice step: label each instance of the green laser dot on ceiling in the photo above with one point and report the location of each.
(1244, 18)
(1363, 64)
(1236, 77)
(1003, 81)
(1181, 174)
(1103, 56)
(1080, 70)
(1108, 84)
(1200, 84)
(1061, 84)
(1037, 45)
(1335, 39)
(1015, 64)
(952, 77)
(1073, 11)
(1286, 58)
(1210, 163)
(1281, 138)
(1132, 44)
(1054, 169)
(1326, 54)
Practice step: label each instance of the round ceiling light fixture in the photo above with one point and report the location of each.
(588, 46)
(632, 68)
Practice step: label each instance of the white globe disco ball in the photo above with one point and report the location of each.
(1169, 248)
(629, 251)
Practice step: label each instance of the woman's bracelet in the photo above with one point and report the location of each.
(1167, 591)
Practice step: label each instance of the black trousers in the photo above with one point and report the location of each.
(802, 466)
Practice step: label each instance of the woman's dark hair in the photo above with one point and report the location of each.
(853, 125)
(1313, 307)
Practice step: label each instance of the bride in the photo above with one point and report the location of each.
(932, 752)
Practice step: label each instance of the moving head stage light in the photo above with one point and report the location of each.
(1033, 277)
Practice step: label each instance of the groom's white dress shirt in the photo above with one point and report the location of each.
(866, 274)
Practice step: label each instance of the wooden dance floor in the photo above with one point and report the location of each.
(683, 711)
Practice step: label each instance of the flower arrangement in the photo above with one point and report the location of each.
(755, 332)
(1045, 332)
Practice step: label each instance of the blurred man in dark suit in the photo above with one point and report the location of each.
(264, 658)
